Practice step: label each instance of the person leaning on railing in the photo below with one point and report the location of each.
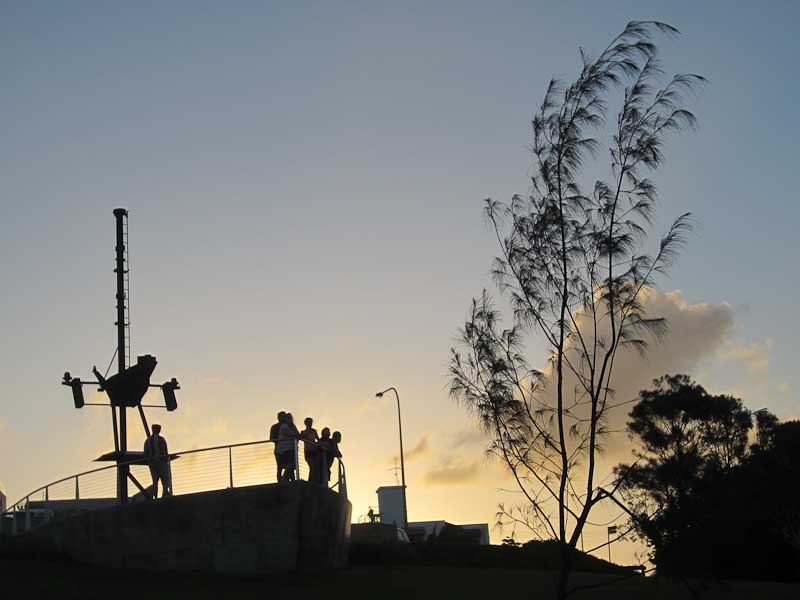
(336, 439)
(329, 449)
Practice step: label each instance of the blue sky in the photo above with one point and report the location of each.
(305, 184)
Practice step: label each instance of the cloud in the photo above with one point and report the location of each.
(452, 472)
(697, 332)
(754, 357)
(361, 407)
(199, 433)
(421, 449)
(467, 438)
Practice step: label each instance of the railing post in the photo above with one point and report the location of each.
(27, 513)
(47, 513)
(296, 459)
(230, 465)
(342, 480)
(77, 489)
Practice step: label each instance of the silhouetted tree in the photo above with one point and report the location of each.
(573, 263)
(766, 424)
(703, 501)
(686, 436)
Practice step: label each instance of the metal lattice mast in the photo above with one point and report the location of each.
(121, 216)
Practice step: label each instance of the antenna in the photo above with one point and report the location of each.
(396, 469)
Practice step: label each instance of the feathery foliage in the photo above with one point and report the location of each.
(573, 266)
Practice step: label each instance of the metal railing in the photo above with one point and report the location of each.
(192, 471)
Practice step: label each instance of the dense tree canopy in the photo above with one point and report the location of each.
(705, 502)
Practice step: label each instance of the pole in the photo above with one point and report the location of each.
(402, 458)
(608, 533)
(122, 469)
(296, 459)
(402, 462)
(230, 466)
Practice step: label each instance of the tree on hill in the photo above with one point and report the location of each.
(687, 437)
(705, 503)
(574, 265)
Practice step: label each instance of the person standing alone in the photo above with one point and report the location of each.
(157, 456)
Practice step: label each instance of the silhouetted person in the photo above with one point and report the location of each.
(325, 450)
(287, 434)
(336, 439)
(310, 450)
(274, 432)
(157, 456)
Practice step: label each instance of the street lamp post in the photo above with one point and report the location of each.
(402, 462)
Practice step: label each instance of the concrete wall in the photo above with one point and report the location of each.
(374, 533)
(259, 529)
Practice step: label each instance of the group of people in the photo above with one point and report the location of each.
(319, 450)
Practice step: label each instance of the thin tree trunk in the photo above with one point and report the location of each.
(566, 567)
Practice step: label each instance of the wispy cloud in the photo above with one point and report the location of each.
(453, 473)
(754, 357)
(467, 438)
(361, 407)
(422, 448)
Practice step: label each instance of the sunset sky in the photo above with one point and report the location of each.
(304, 183)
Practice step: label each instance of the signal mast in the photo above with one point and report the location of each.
(128, 386)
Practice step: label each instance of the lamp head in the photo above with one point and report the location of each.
(379, 395)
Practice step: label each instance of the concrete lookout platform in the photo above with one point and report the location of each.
(260, 529)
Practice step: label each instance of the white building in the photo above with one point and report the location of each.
(390, 502)
(422, 530)
(390, 509)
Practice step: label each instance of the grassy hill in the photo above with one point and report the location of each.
(533, 555)
(40, 579)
